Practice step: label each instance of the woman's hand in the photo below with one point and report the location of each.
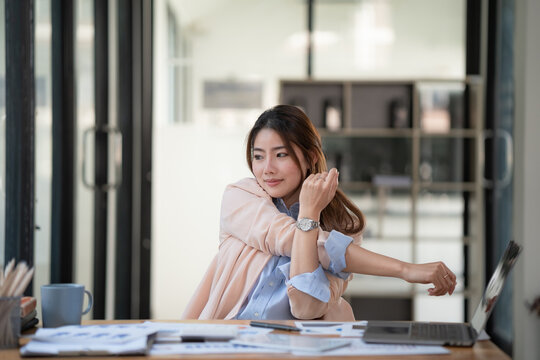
(436, 273)
(317, 192)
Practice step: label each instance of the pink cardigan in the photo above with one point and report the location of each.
(252, 230)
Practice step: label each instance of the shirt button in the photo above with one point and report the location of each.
(256, 314)
(271, 283)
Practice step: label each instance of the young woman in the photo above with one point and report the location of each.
(289, 238)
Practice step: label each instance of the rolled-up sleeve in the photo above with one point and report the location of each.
(336, 246)
(306, 306)
(315, 283)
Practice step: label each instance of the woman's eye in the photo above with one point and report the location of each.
(257, 157)
(282, 155)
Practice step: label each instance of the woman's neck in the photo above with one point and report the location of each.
(291, 199)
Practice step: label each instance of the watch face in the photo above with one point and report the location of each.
(303, 225)
(306, 224)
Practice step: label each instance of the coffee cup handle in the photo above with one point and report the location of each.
(90, 302)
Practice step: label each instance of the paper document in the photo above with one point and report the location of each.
(41, 348)
(121, 339)
(109, 334)
(206, 348)
(292, 342)
(354, 331)
(359, 347)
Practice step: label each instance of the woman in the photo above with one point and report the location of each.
(289, 238)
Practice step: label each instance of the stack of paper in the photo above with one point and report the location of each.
(128, 339)
(125, 339)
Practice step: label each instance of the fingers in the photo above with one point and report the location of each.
(330, 180)
(326, 176)
(450, 279)
(333, 175)
(316, 177)
(444, 280)
(441, 287)
(318, 190)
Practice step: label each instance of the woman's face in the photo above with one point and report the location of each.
(275, 169)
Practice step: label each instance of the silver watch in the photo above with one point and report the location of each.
(306, 224)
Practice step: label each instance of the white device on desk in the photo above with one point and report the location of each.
(456, 334)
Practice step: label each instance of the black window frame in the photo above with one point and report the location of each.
(20, 132)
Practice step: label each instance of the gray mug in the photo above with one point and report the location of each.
(61, 304)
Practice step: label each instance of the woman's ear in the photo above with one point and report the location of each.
(313, 159)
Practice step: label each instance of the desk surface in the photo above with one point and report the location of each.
(481, 350)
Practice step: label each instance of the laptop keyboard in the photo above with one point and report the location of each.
(438, 331)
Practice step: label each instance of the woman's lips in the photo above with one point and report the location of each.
(273, 182)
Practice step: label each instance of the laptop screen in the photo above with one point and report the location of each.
(495, 286)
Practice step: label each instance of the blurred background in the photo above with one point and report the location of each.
(142, 109)
(219, 64)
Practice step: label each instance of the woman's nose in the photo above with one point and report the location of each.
(269, 166)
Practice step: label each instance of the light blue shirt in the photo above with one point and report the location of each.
(269, 300)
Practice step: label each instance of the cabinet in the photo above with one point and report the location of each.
(410, 154)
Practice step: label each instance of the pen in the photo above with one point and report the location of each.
(273, 326)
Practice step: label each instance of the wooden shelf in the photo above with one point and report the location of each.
(406, 133)
(435, 186)
(448, 186)
(452, 133)
(417, 129)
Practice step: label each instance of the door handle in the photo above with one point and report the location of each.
(115, 148)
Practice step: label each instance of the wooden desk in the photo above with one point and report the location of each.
(484, 350)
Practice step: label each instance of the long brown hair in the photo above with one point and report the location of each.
(294, 127)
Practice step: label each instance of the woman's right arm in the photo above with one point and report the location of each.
(256, 221)
(316, 193)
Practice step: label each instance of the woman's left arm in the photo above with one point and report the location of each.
(363, 261)
(316, 193)
(307, 307)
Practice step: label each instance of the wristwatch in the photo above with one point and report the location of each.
(306, 224)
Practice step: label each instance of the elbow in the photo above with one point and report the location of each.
(306, 313)
(304, 306)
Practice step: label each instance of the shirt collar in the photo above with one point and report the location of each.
(292, 211)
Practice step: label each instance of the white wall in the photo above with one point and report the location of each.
(527, 177)
(194, 162)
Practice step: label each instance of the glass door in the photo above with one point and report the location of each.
(99, 156)
(85, 119)
(43, 143)
(2, 131)
(113, 161)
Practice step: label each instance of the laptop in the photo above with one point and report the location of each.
(441, 333)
